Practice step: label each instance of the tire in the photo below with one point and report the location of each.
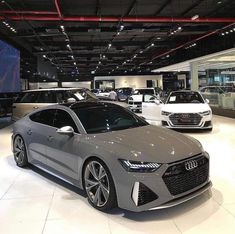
(98, 185)
(20, 153)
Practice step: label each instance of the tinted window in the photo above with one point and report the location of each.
(43, 117)
(62, 119)
(46, 97)
(98, 119)
(30, 97)
(184, 97)
(144, 91)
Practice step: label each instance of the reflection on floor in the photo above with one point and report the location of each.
(32, 201)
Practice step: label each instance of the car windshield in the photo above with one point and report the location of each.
(105, 118)
(83, 94)
(144, 91)
(184, 97)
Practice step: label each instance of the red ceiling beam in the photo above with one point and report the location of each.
(29, 12)
(190, 42)
(58, 9)
(115, 19)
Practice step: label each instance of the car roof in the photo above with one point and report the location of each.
(88, 104)
(185, 91)
(53, 89)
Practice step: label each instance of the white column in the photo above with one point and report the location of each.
(194, 75)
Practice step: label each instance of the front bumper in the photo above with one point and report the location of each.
(160, 196)
(205, 122)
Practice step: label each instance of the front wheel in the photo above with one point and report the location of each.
(20, 153)
(99, 185)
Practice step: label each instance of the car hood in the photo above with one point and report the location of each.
(148, 143)
(186, 108)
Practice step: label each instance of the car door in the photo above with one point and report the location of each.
(151, 107)
(37, 130)
(63, 150)
(26, 105)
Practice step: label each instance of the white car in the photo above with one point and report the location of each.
(186, 109)
(135, 100)
(182, 110)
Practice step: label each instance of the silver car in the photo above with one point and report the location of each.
(38, 98)
(114, 155)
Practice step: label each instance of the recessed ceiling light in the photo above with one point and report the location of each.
(152, 44)
(195, 17)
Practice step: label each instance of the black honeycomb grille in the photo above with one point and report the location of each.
(145, 195)
(179, 180)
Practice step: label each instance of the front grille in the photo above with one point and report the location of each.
(145, 195)
(185, 119)
(179, 180)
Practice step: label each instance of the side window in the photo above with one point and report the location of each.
(30, 97)
(46, 97)
(149, 98)
(44, 117)
(62, 119)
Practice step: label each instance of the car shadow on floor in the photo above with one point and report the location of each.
(57, 180)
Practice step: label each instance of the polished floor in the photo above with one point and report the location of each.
(32, 201)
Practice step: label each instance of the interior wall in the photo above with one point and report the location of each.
(132, 81)
(81, 84)
(48, 85)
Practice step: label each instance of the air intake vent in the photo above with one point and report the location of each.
(142, 194)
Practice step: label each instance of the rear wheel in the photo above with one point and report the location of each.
(19, 150)
(99, 185)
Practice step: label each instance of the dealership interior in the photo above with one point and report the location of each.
(169, 63)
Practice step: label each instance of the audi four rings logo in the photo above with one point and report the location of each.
(189, 165)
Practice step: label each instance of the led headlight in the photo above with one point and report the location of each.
(166, 113)
(204, 113)
(135, 166)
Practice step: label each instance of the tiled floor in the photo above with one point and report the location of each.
(32, 201)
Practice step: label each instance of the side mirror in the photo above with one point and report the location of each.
(157, 101)
(71, 100)
(207, 101)
(67, 130)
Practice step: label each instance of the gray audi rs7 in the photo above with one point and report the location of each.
(114, 155)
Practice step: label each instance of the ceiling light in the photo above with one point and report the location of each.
(227, 32)
(179, 28)
(44, 56)
(231, 30)
(74, 63)
(99, 62)
(195, 17)
(158, 38)
(219, 2)
(117, 67)
(141, 51)
(121, 27)
(104, 56)
(62, 27)
(92, 72)
(118, 33)
(222, 34)
(109, 45)
(126, 71)
(152, 44)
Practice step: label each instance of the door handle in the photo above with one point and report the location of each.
(29, 132)
(35, 107)
(50, 138)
